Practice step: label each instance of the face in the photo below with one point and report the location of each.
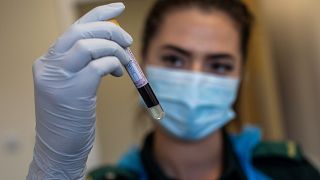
(194, 40)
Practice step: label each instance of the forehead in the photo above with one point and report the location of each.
(199, 30)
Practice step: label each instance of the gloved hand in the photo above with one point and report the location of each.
(66, 79)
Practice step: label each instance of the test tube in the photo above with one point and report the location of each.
(142, 85)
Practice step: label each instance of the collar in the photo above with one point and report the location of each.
(231, 167)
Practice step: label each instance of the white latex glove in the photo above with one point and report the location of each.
(66, 81)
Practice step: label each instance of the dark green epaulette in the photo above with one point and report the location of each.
(283, 160)
(274, 149)
(111, 173)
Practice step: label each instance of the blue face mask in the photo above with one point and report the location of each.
(195, 104)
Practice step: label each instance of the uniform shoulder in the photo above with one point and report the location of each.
(283, 160)
(278, 149)
(110, 172)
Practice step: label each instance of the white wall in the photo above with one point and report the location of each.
(27, 29)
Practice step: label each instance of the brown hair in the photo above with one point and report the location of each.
(233, 8)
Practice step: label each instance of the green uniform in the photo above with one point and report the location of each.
(277, 160)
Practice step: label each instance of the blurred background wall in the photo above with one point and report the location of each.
(284, 96)
(27, 29)
(293, 30)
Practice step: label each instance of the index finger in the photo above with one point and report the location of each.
(102, 13)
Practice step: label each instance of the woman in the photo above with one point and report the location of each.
(193, 53)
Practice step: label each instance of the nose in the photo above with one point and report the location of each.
(196, 65)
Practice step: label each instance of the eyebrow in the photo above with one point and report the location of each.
(178, 49)
(213, 56)
(224, 56)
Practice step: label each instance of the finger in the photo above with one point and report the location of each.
(86, 50)
(102, 13)
(117, 72)
(104, 66)
(103, 30)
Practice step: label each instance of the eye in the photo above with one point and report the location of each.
(173, 61)
(221, 68)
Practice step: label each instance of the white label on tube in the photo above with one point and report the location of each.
(135, 71)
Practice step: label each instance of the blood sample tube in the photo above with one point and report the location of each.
(142, 85)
